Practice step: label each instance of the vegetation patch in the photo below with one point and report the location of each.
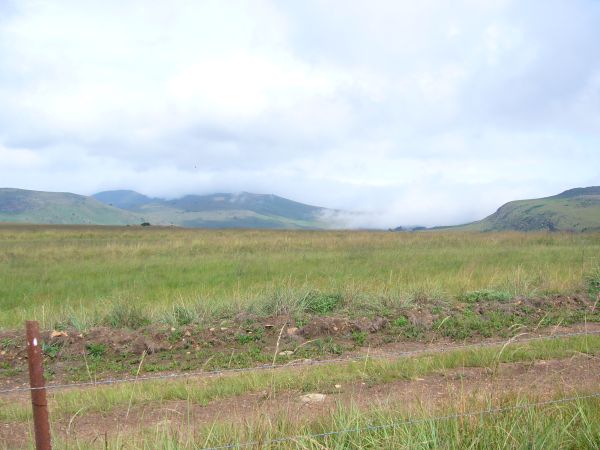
(96, 350)
(321, 303)
(593, 284)
(486, 295)
(124, 315)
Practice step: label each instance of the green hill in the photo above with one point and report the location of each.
(124, 199)
(573, 210)
(19, 205)
(223, 210)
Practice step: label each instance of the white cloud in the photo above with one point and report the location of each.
(419, 113)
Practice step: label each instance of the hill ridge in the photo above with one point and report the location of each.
(128, 207)
(575, 209)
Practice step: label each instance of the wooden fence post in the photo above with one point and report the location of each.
(38, 388)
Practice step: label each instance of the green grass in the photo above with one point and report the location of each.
(565, 426)
(572, 425)
(77, 274)
(309, 379)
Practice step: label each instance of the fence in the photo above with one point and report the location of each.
(39, 401)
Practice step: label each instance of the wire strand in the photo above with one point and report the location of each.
(301, 363)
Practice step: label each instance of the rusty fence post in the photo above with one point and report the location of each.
(38, 388)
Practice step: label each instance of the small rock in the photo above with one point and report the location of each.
(187, 333)
(338, 386)
(335, 328)
(223, 328)
(58, 334)
(292, 331)
(312, 398)
(2, 353)
(286, 353)
(172, 329)
(211, 329)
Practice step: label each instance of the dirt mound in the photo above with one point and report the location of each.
(108, 339)
(339, 326)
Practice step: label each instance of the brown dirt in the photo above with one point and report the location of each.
(541, 380)
(135, 342)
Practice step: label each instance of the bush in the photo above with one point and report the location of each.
(126, 316)
(51, 350)
(359, 337)
(247, 338)
(319, 303)
(486, 295)
(400, 321)
(183, 315)
(96, 350)
(593, 284)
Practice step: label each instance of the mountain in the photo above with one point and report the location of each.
(123, 207)
(19, 205)
(124, 199)
(573, 210)
(222, 210)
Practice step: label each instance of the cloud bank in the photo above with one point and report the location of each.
(415, 113)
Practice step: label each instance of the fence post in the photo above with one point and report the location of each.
(38, 390)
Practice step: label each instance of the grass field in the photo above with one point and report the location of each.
(80, 273)
(199, 300)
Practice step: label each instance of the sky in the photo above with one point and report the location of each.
(413, 113)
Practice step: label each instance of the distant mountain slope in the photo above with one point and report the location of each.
(573, 210)
(221, 210)
(19, 205)
(124, 199)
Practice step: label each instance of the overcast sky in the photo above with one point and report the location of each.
(428, 112)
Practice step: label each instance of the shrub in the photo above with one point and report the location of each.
(96, 350)
(126, 316)
(320, 303)
(183, 315)
(51, 350)
(400, 321)
(486, 295)
(175, 336)
(359, 337)
(593, 283)
(246, 338)
(254, 336)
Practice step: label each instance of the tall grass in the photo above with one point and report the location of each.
(77, 273)
(564, 426)
(569, 425)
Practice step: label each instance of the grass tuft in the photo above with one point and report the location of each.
(124, 315)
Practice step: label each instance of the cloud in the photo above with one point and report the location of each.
(416, 113)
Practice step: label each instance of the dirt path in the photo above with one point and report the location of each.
(542, 379)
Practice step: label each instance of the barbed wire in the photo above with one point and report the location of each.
(302, 363)
(404, 423)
